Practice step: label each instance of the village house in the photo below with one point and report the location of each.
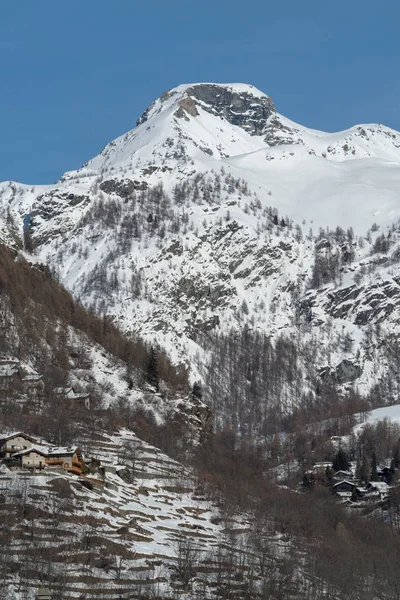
(379, 489)
(12, 372)
(343, 487)
(16, 442)
(386, 474)
(40, 457)
(33, 457)
(69, 459)
(71, 397)
(343, 475)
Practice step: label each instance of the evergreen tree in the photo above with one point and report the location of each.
(329, 472)
(396, 453)
(365, 470)
(308, 480)
(340, 462)
(152, 376)
(197, 391)
(374, 474)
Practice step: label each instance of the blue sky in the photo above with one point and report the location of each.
(75, 75)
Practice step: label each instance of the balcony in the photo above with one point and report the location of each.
(54, 462)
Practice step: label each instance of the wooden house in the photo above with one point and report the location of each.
(343, 486)
(71, 397)
(379, 489)
(386, 474)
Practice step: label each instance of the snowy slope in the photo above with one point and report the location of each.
(392, 413)
(176, 227)
(122, 530)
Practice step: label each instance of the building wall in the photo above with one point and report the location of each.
(33, 460)
(16, 445)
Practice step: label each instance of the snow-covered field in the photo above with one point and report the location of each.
(392, 413)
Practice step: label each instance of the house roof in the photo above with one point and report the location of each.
(65, 451)
(42, 450)
(4, 360)
(68, 393)
(345, 481)
(49, 451)
(381, 486)
(63, 390)
(31, 377)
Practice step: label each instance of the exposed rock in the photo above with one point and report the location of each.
(347, 371)
(285, 134)
(241, 109)
(187, 105)
(124, 188)
(209, 325)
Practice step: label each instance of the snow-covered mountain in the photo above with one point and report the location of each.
(217, 212)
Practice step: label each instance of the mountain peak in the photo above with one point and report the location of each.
(240, 104)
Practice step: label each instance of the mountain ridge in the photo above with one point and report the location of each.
(192, 225)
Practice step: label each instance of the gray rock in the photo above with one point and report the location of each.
(346, 371)
(124, 188)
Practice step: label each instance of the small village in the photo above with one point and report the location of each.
(347, 487)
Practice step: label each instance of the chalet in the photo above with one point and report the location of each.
(343, 486)
(41, 457)
(386, 474)
(343, 475)
(16, 442)
(73, 398)
(379, 489)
